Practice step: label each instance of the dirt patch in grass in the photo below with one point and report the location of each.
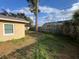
(50, 46)
(10, 46)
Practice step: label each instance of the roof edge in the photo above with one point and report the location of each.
(16, 20)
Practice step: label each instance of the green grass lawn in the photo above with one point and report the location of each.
(47, 46)
(52, 44)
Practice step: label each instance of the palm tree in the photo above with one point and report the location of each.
(33, 4)
(75, 21)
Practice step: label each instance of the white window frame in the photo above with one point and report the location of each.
(8, 34)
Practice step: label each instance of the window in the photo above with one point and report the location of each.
(8, 29)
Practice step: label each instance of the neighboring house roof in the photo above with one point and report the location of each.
(12, 19)
(56, 23)
(53, 23)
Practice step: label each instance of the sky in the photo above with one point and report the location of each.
(51, 10)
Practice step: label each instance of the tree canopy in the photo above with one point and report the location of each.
(18, 15)
(76, 17)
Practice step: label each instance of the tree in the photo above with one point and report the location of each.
(30, 20)
(19, 15)
(75, 21)
(67, 27)
(4, 12)
(33, 4)
(76, 17)
(22, 15)
(12, 14)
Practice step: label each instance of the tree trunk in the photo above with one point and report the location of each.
(36, 20)
(75, 33)
(36, 23)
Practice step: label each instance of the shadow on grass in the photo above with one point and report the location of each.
(64, 38)
(54, 43)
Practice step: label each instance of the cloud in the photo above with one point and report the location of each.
(23, 10)
(46, 9)
(74, 7)
(8, 10)
(50, 14)
(54, 14)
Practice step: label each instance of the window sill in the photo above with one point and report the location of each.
(8, 34)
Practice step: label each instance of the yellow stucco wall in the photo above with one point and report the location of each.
(19, 31)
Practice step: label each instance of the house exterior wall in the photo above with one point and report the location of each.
(19, 31)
